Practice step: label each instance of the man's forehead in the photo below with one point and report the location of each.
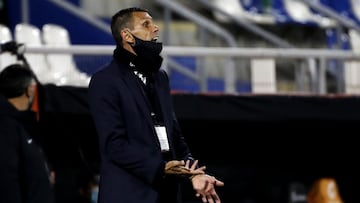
(139, 15)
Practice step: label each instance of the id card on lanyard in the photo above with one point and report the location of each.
(162, 137)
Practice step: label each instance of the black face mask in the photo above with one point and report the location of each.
(148, 53)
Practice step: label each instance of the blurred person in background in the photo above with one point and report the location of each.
(143, 154)
(24, 173)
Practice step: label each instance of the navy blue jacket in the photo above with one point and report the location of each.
(132, 165)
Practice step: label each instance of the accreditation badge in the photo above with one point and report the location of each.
(162, 137)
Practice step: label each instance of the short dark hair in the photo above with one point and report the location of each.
(14, 80)
(123, 19)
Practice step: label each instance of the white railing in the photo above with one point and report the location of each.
(322, 55)
(209, 51)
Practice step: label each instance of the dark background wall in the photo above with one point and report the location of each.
(257, 144)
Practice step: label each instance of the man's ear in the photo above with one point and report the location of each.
(127, 36)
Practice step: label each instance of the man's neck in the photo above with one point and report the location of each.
(128, 47)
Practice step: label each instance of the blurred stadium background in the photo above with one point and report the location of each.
(253, 70)
(285, 30)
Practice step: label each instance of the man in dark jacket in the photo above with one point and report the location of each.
(24, 175)
(143, 153)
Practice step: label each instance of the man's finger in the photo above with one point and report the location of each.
(187, 164)
(210, 199)
(174, 163)
(193, 166)
(218, 183)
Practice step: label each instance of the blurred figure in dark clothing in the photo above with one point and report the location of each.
(24, 172)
